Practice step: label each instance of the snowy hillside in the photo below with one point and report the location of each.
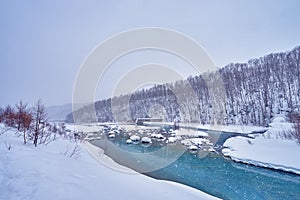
(250, 93)
(53, 171)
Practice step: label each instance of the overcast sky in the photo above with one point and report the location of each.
(43, 43)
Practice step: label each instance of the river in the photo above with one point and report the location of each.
(211, 173)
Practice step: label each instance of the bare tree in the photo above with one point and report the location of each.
(40, 119)
(20, 110)
(23, 118)
(9, 116)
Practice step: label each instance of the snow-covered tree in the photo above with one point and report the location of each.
(251, 93)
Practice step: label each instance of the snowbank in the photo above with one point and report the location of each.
(50, 172)
(228, 128)
(272, 149)
(272, 153)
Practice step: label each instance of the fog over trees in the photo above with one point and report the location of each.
(248, 93)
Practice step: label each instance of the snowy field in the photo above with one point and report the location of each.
(273, 149)
(54, 171)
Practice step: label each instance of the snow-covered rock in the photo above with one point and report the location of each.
(146, 140)
(158, 136)
(129, 141)
(193, 148)
(171, 140)
(135, 138)
(117, 131)
(111, 135)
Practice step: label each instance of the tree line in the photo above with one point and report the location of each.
(251, 93)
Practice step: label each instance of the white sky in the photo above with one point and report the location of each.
(43, 43)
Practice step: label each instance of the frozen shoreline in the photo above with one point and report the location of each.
(269, 153)
(273, 149)
(265, 165)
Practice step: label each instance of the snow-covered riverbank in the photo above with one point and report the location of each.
(274, 149)
(51, 172)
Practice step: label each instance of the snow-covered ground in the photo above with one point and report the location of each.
(273, 149)
(51, 172)
(226, 128)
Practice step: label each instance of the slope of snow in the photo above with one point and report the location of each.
(50, 172)
(273, 149)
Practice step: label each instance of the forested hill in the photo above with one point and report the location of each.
(249, 93)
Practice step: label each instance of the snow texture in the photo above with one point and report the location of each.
(272, 149)
(50, 172)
